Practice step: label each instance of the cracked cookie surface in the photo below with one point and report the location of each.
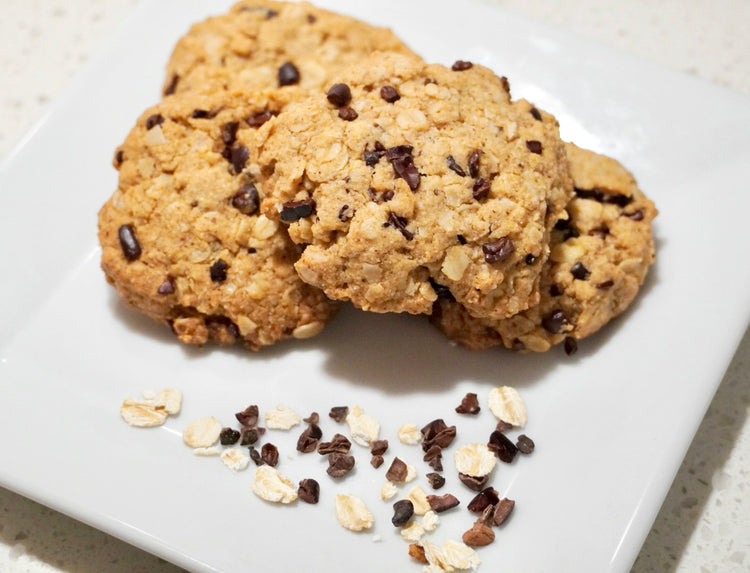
(601, 253)
(402, 178)
(182, 237)
(263, 44)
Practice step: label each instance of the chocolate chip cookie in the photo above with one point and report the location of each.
(601, 251)
(402, 179)
(262, 44)
(182, 237)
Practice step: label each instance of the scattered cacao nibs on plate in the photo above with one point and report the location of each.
(338, 413)
(288, 74)
(339, 94)
(475, 483)
(525, 444)
(129, 244)
(339, 444)
(269, 454)
(436, 480)
(309, 491)
(378, 447)
(313, 418)
(248, 416)
(485, 498)
(249, 435)
(229, 436)
(441, 503)
(469, 404)
(255, 456)
(437, 433)
(308, 440)
(503, 426)
(339, 465)
(434, 458)
(502, 510)
(397, 471)
(402, 512)
(502, 447)
(479, 535)
(376, 461)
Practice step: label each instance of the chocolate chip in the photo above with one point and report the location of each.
(600, 232)
(167, 287)
(246, 200)
(249, 436)
(309, 491)
(475, 483)
(228, 436)
(248, 416)
(437, 433)
(311, 19)
(570, 345)
(502, 510)
(129, 244)
(345, 213)
(461, 65)
(556, 290)
(219, 271)
(534, 146)
(238, 157)
(308, 440)
(473, 163)
(530, 259)
(535, 113)
(580, 272)
(347, 113)
(606, 284)
(469, 404)
(636, 215)
(378, 447)
(569, 230)
(271, 14)
(372, 157)
(258, 119)
(402, 512)
(339, 465)
(339, 95)
(525, 444)
(554, 321)
(119, 156)
(517, 345)
(436, 480)
(401, 158)
(288, 74)
(255, 456)
(380, 196)
(296, 210)
(453, 166)
(200, 114)
(502, 447)
(484, 499)
(441, 503)
(498, 251)
(434, 457)
(390, 94)
(400, 224)
(339, 444)
(229, 132)
(154, 120)
(270, 454)
(441, 291)
(219, 326)
(505, 83)
(338, 413)
(397, 471)
(618, 199)
(604, 196)
(170, 89)
(461, 239)
(481, 189)
(376, 461)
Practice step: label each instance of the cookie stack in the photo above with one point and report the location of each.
(301, 157)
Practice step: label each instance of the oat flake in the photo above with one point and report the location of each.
(475, 460)
(362, 428)
(409, 434)
(235, 459)
(506, 404)
(352, 513)
(281, 418)
(202, 433)
(270, 485)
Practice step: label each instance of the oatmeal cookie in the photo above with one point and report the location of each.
(403, 178)
(182, 237)
(262, 44)
(601, 252)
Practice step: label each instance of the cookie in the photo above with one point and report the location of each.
(182, 237)
(402, 179)
(601, 252)
(262, 44)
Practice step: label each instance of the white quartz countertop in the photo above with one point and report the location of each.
(704, 524)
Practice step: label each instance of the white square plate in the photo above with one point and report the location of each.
(611, 423)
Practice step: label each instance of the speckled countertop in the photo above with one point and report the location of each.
(704, 524)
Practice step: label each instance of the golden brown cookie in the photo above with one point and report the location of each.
(601, 252)
(262, 44)
(402, 177)
(182, 237)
